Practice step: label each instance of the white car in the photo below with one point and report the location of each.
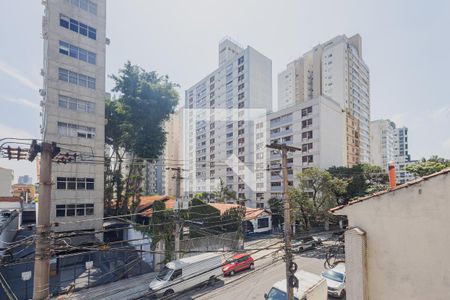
(335, 280)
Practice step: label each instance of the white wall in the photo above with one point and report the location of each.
(408, 241)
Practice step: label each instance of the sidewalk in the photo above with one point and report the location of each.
(125, 289)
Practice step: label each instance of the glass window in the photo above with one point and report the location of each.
(83, 55)
(73, 78)
(64, 21)
(89, 209)
(60, 210)
(92, 8)
(71, 185)
(92, 33)
(61, 183)
(83, 29)
(63, 75)
(91, 83)
(71, 210)
(81, 184)
(73, 25)
(91, 58)
(73, 51)
(82, 80)
(89, 183)
(62, 101)
(84, 4)
(81, 209)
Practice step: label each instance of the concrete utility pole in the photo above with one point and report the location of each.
(290, 278)
(178, 227)
(42, 256)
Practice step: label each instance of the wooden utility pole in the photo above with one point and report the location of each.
(178, 227)
(287, 218)
(42, 256)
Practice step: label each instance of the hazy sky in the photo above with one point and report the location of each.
(405, 44)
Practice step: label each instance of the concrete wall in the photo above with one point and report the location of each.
(225, 241)
(407, 241)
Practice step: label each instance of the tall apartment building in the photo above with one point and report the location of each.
(382, 143)
(154, 176)
(219, 121)
(173, 153)
(25, 179)
(335, 69)
(6, 181)
(74, 108)
(316, 126)
(402, 157)
(388, 143)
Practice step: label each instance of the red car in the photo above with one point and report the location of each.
(238, 263)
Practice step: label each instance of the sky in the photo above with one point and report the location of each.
(405, 44)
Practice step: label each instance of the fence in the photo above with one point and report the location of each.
(225, 241)
(79, 270)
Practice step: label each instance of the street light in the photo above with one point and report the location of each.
(26, 276)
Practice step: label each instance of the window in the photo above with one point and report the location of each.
(176, 274)
(75, 78)
(306, 111)
(73, 130)
(263, 222)
(275, 184)
(306, 123)
(85, 5)
(241, 68)
(76, 104)
(72, 183)
(241, 60)
(78, 53)
(71, 210)
(307, 135)
(307, 147)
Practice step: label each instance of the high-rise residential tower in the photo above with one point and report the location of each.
(382, 143)
(335, 69)
(219, 122)
(173, 152)
(74, 108)
(402, 157)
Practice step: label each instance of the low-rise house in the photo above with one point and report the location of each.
(398, 243)
(256, 220)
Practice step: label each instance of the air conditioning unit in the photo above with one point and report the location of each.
(42, 72)
(42, 92)
(107, 41)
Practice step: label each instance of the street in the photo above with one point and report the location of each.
(269, 268)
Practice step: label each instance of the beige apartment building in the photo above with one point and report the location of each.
(173, 153)
(73, 108)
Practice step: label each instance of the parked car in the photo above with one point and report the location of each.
(237, 263)
(185, 273)
(306, 243)
(310, 287)
(335, 280)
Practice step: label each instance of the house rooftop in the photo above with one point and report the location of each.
(399, 187)
(250, 213)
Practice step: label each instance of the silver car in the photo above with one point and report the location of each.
(306, 243)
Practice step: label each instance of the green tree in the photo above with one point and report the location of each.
(232, 219)
(276, 207)
(317, 191)
(428, 166)
(223, 193)
(135, 130)
(362, 179)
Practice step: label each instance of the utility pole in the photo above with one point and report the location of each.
(42, 256)
(178, 227)
(291, 267)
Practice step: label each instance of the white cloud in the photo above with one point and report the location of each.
(446, 144)
(399, 119)
(14, 73)
(442, 113)
(22, 101)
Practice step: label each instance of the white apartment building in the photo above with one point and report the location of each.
(335, 69)
(382, 143)
(402, 157)
(154, 176)
(74, 108)
(316, 126)
(173, 152)
(219, 121)
(6, 181)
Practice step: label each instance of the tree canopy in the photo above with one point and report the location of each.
(135, 130)
(428, 166)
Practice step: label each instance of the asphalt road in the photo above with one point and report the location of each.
(269, 268)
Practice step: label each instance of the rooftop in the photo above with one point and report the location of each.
(399, 187)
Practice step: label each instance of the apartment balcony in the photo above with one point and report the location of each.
(276, 188)
(281, 133)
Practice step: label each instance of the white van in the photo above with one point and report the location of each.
(310, 287)
(185, 273)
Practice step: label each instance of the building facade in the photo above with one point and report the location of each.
(25, 179)
(219, 121)
(6, 181)
(154, 173)
(74, 108)
(402, 157)
(173, 153)
(335, 69)
(316, 126)
(382, 143)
